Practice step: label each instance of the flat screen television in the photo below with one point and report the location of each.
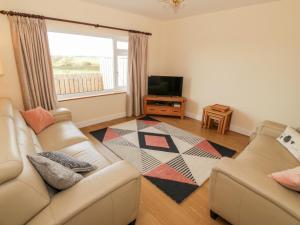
(165, 85)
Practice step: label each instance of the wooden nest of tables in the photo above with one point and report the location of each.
(217, 113)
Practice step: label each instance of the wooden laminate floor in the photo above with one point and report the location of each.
(156, 208)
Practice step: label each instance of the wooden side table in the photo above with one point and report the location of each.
(223, 118)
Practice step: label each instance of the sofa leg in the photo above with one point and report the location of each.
(132, 223)
(213, 215)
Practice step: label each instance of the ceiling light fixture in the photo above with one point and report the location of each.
(174, 4)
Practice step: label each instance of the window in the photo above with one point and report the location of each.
(87, 65)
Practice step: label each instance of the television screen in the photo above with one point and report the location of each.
(163, 85)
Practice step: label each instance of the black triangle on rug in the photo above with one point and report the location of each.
(225, 152)
(99, 134)
(148, 118)
(177, 191)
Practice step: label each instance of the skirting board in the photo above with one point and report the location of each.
(100, 120)
(123, 114)
(234, 128)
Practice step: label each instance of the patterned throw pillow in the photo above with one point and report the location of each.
(68, 161)
(288, 178)
(53, 173)
(290, 139)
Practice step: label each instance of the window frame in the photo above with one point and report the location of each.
(116, 52)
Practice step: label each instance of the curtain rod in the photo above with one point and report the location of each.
(12, 13)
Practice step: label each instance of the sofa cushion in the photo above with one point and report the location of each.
(69, 162)
(60, 135)
(53, 173)
(35, 140)
(86, 151)
(10, 161)
(264, 153)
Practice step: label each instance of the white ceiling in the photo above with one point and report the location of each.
(157, 10)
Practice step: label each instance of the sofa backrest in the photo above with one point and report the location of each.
(23, 193)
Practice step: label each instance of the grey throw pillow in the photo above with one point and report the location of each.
(53, 173)
(68, 161)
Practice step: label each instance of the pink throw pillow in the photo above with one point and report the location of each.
(288, 178)
(38, 119)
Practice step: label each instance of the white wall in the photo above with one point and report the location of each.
(85, 110)
(248, 58)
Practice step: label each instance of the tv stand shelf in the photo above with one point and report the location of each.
(164, 105)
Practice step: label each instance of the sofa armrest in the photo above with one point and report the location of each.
(111, 193)
(254, 181)
(61, 114)
(269, 128)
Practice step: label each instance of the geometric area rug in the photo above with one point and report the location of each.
(174, 160)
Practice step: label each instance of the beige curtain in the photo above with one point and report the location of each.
(30, 42)
(137, 73)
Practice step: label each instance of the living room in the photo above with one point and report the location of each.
(241, 54)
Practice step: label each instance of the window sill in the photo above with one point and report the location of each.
(67, 98)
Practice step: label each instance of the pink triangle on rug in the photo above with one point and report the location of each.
(207, 147)
(110, 134)
(168, 173)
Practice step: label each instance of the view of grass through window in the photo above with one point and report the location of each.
(85, 65)
(75, 64)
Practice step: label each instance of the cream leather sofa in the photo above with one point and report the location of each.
(241, 191)
(108, 196)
